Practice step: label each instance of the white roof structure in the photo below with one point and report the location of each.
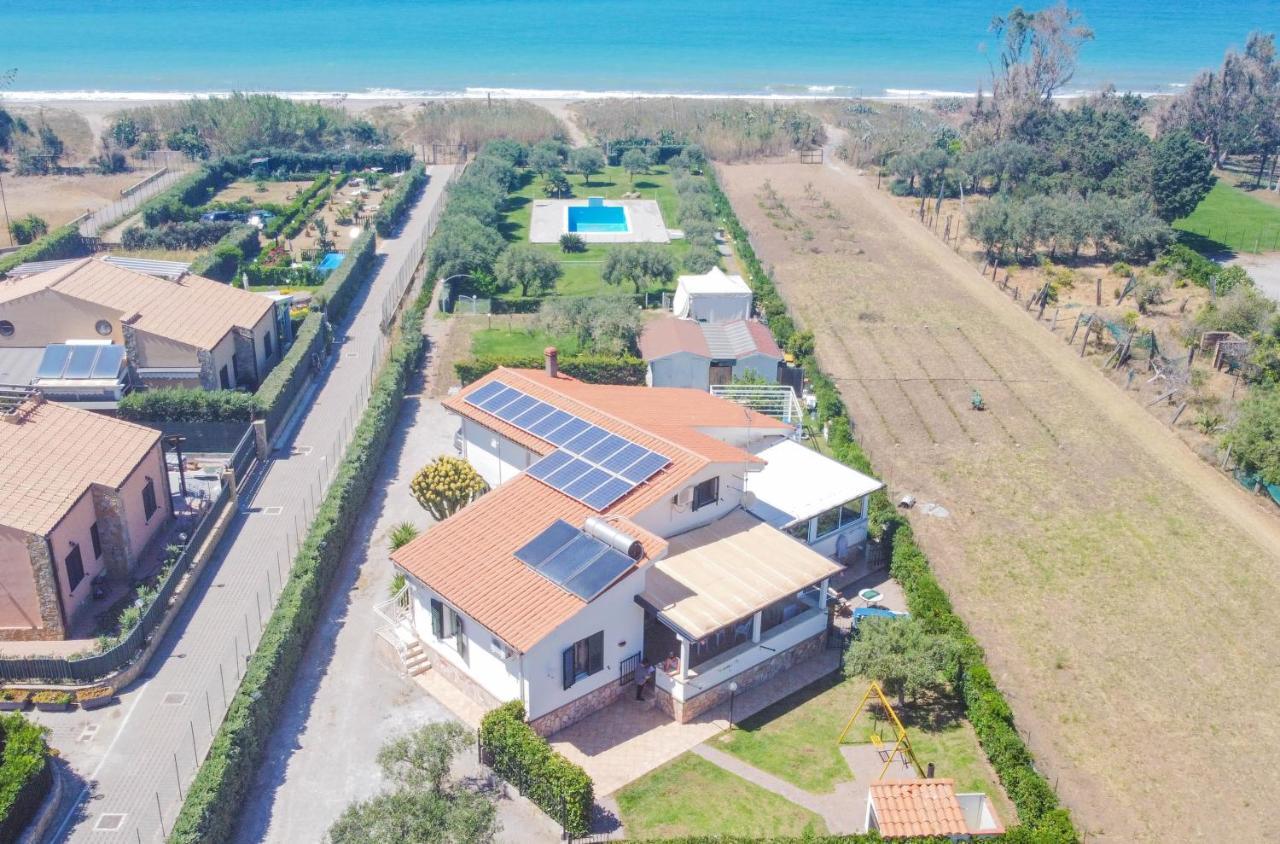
(714, 296)
(798, 483)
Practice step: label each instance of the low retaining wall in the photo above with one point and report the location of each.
(574, 711)
(687, 710)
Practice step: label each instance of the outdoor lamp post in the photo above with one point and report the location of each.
(175, 442)
(733, 690)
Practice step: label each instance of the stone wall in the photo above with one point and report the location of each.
(113, 531)
(245, 357)
(687, 710)
(208, 373)
(574, 711)
(459, 679)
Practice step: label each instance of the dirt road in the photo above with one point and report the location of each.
(1124, 590)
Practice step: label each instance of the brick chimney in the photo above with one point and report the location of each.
(552, 361)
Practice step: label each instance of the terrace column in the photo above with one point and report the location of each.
(822, 594)
(755, 627)
(684, 659)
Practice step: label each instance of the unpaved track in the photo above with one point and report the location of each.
(1125, 591)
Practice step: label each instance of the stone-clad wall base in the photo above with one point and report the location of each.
(574, 711)
(687, 710)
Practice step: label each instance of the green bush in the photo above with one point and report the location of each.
(195, 235)
(522, 757)
(396, 204)
(345, 282)
(278, 389)
(25, 773)
(213, 802)
(65, 242)
(294, 216)
(183, 404)
(594, 369)
(228, 255)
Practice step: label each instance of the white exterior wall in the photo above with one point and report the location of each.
(499, 677)
(617, 614)
(666, 519)
(682, 369)
(495, 457)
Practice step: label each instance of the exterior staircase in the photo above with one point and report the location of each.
(397, 630)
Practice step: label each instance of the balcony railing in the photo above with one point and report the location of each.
(776, 400)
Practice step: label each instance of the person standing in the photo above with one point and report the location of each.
(641, 677)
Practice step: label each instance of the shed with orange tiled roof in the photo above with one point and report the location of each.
(919, 808)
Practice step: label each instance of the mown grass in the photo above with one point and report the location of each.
(1230, 219)
(582, 270)
(690, 796)
(519, 342)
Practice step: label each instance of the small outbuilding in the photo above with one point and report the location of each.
(714, 296)
(923, 808)
(687, 353)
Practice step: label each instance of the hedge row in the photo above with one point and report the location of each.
(182, 201)
(213, 802)
(25, 773)
(183, 404)
(223, 262)
(594, 369)
(522, 757)
(985, 707)
(65, 242)
(397, 202)
(295, 214)
(278, 389)
(345, 282)
(195, 235)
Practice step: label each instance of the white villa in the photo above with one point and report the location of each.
(625, 521)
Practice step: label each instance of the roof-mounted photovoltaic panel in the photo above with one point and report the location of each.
(574, 560)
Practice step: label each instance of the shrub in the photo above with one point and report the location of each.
(570, 242)
(195, 235)
(14, 695)
(94, 693)
(593, 369)
(25, 773)
(236, 248)
(446, 485)
(184, 404)
(28, 229)
(65, 242)
(345, 282)
(700, 259)
(277, 391)
(522, 757)
(51, 696)
(397, 203)
(213, 802)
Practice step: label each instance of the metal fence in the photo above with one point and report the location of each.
(93, 223)
(63, 670)
(243, 455)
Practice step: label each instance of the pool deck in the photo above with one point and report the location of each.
(549, 218)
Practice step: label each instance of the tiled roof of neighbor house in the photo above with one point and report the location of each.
(729, 340)
(191, 310)
(51, 453)
(469, 560)
(907, 808)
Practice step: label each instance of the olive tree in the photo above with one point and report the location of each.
(639, 264)
(902, 656)
(635, 161)
(588, 161)
(529, 268)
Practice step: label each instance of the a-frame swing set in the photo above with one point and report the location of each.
(901, 747)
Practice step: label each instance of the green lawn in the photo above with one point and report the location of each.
(582, 269)
(1229, 218)
(795, 740)
(690, 796)
(514, 342)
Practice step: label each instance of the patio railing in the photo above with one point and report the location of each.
(776, 400)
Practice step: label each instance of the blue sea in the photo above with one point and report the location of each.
(374, 48)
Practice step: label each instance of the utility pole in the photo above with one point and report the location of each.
(7, 225)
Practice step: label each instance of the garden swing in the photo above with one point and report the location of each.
(902, 746)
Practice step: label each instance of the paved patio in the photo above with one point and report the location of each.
(548, 220)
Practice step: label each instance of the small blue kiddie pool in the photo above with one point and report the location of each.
(597, 218)
(330, 262)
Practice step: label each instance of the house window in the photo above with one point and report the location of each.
(102, 327)
(6, 328)
(268, 347)
(459, 635)
(851, 512)
(75, 569)
(583, 658)
(224, 378)
(96, 539)
(799, 531)
(149, 499)
(707, 492)
(437, 619)
(828, 522)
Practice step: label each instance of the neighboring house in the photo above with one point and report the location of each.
(687, 353)
(617, 527)
(81, 494)
(714, 296)
(180, 331)
(921, 808)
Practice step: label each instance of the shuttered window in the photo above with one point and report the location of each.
(583, 658)
(459, 636)
(437, 619)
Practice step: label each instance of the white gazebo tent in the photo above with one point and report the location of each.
(714, 296)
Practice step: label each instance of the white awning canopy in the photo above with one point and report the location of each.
(713, 296)
(728, 571)
(798, 483)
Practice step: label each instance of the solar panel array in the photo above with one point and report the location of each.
(573, 560)
(590, 464)
(63, 361)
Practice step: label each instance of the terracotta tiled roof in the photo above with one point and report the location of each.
(50, 457)
(669, 335)
(906, 808)
(736, 339)
(469, 560)
(192, 310)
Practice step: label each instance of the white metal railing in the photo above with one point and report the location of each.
(776, 400)
(395, 610)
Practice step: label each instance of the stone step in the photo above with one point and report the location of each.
(414, 667)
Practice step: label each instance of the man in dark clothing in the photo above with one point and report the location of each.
(641, 677)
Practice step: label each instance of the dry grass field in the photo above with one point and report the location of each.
(1124, 590)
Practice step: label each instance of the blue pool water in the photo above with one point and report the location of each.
(331, 262)
(597, 219)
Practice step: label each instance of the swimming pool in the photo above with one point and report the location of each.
(598, 218)
(331, 262)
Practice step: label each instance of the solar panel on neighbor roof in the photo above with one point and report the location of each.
(573, 560)
(591, 464)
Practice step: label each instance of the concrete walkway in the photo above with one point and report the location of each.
(137, 759)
